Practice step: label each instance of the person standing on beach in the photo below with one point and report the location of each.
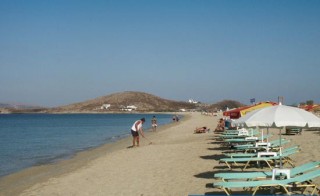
(135, 129)
(154, 123)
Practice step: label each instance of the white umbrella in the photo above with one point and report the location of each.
(279, 116)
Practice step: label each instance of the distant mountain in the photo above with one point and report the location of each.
(19, 108)
(143, 101)
(5, 105)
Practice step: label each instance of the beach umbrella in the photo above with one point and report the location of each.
(279, 116)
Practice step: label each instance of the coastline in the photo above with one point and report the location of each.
(14, 184)
(178, 162)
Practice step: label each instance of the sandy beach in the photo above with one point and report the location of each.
(178, 162)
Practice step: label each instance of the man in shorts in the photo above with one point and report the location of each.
(135, 129)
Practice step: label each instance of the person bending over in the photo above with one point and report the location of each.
(135, 130)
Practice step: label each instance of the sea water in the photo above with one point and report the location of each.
(28, 140)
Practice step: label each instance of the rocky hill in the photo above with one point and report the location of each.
(119, 101)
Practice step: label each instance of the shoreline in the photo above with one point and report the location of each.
(178, 162)
(17, 182)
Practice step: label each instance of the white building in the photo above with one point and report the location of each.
(129, 108)
(105, 106)
(193, 101)
(132, 107)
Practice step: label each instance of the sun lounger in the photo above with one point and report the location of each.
(240, 132)
(237, 131)
(235, 155)
(247, 139)
(231, 131)
(231, 136)
(266, 174)
(290, 131)
(300, 181)
(255, 147)
(260, 146)
(273, 158)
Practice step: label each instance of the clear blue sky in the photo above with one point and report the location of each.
(57, 52)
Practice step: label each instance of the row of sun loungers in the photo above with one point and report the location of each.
(288, 180)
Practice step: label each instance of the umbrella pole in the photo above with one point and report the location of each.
(280, 150)
(267, 139)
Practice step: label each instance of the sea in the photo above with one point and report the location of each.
(28, 140)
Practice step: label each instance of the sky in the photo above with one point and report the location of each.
(59, 52)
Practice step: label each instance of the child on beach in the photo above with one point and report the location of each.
(154, 123)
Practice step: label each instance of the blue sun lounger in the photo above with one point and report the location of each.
(239, 155)
(247, 160)
(265, 174)
(239, 134)
(247, 139)
(254, 147)
(299, 181)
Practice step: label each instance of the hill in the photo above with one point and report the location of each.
(119, 101)
(19, 108)
(143, 101)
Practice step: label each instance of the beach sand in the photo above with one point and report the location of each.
(178, 162)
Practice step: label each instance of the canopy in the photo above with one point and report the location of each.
(242, 111)
(257, 106)
(235, 113)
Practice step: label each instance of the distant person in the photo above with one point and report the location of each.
(154, 123)
(175, 118)
(135, 129)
